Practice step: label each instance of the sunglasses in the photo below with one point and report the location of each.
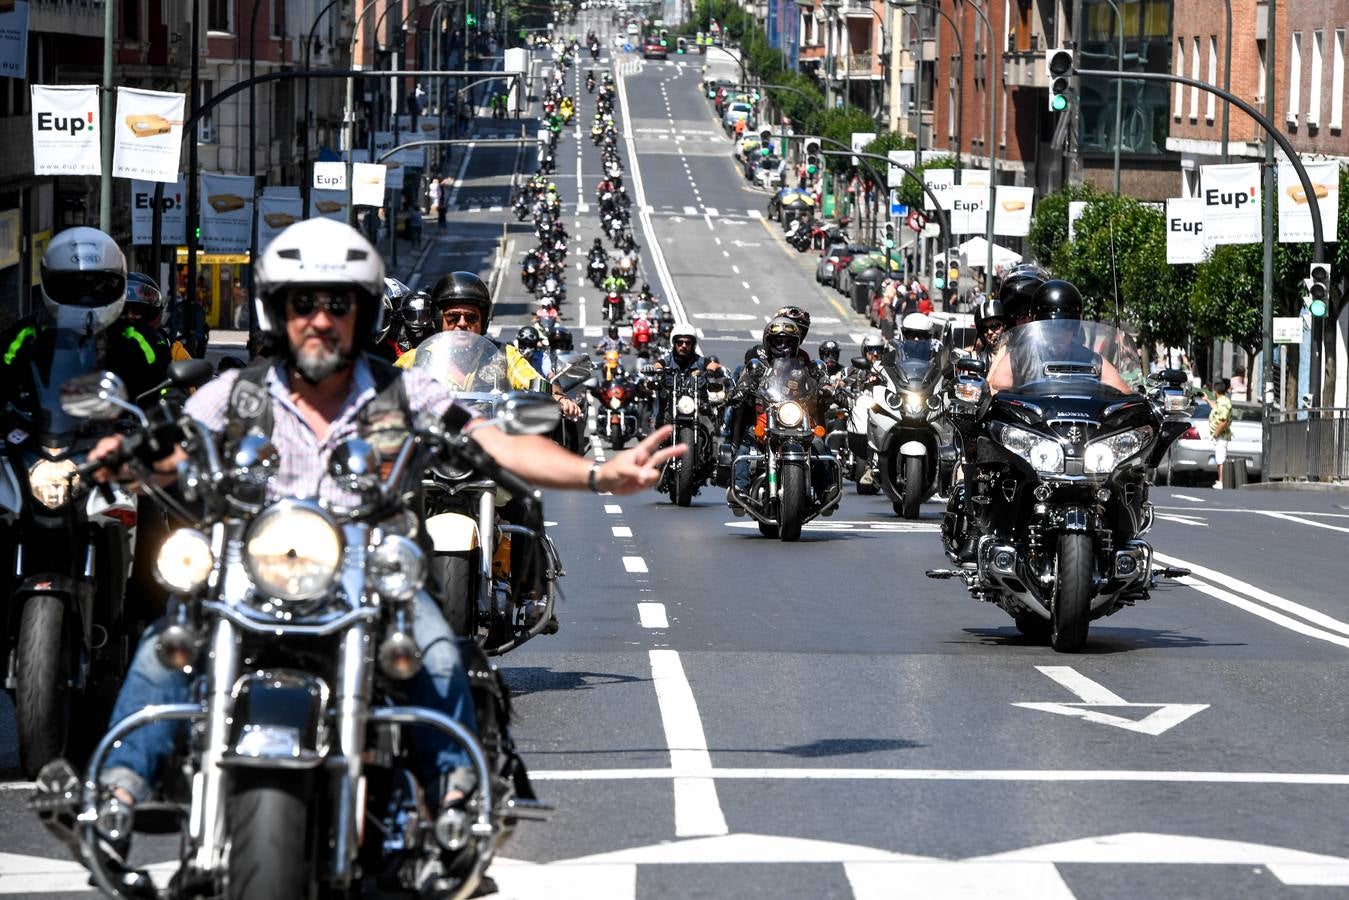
(336, 305)
(468, 318)
(683, 340)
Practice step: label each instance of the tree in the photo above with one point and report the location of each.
(1049, 227)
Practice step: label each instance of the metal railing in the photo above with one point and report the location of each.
(1309, 445)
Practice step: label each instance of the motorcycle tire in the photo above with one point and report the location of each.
(769, 530)
(792, 502)
(681, 492)
(617, 440)
(270, 845)
(456, 574)
(41, 709)
(1072, 602)
(912, 500)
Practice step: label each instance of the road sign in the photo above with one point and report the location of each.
(1287, 329)
(1096, 699)
(897, 207)
(916, 221)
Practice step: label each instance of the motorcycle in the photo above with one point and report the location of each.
(617, 394)
(521, 207)
(641, 334)
(907, 430)
(530, 273)
(598, 271)
(1059, 480)
(792, 479)
(691, 402)
(294, 617)
(613, 307)
(68, 629)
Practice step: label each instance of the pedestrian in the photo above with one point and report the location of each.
(433, 194)
(1237, 388)
(441, 211)
(1220, 426)
(415, 227)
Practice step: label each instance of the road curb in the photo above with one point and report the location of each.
(1323, 487)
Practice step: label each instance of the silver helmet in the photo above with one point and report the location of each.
(83, 277)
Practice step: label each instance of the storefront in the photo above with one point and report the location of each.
(222, 280)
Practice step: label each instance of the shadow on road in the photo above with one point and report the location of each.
(537, 679)
(1099, 641)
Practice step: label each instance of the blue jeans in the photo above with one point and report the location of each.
(135, 764)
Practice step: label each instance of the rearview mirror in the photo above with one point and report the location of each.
(95, 395)
(527, 413)
(191, 373)
(971, 367)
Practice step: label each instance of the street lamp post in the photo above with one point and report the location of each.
(105, 97)
(1119, 88)
(992, 147)
(351, 99)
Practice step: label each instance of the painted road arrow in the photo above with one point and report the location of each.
(1097, 701)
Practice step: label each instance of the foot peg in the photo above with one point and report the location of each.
(1172, 572)
(944, 573)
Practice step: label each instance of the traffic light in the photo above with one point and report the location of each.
(1059, 67)
(469, 19)
(952, 277)
(813, 160)
(889, 236)
(765, 135)
(1318, 290)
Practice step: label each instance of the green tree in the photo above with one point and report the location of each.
(1049, 227)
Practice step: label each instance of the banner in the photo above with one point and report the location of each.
(969, 209)
(328, 205)
(386, 141)
(1075, 210)
(173, 221)
(895, 177)
(1231, 196)
(1295, 212)
(940, 182)
(276, 212)
(1185, 235)
(65, 136)
(147, 135)
(1012, 214)
(226, 213)
(14, 41)
(858, 142)
(330, 176)
(367, 184)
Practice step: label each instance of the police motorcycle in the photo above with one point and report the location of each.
(793, 479)
(471, 555)
(1059, 478)
(907, 431)
(692, 402)
(294, 618)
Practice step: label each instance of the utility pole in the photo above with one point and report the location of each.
(105, 181)
(1267, 192)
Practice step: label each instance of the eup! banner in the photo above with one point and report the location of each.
(1231, 196)
(65, 130)
(328, 205)
(367, 184)
(1012, 214)
(277, 210)
(172, 222)
(968, 209)
(894, 176)
(14, 40)
(1295, 211)
(147, 134)
(1185, 234)
(226, 213)
(939, 182)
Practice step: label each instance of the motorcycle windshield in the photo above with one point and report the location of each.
(786, 379)
(917, 363)
(58, 356)
(465, 362)
(1067, 357)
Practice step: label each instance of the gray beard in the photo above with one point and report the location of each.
(314, 367)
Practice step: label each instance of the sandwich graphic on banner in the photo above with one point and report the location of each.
(1295, 211)
(66, 130)
(328, 205)
(227, 214)
(147, 138)
(278, 208)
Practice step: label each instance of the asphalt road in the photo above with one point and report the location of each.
(726, 716)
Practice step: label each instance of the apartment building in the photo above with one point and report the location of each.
(1313, 48)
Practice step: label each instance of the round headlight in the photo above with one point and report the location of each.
(913, 404)
(293, 551)
(1046, 456)
(396, 568)
(791, 414)
(184, 561)
(686, 406)
(615, 403)
(52, 482)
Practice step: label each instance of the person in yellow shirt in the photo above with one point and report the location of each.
(465, 304)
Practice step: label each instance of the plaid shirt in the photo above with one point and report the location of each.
(303, 454)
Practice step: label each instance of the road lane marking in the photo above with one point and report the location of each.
(697, 809)
(652, 615)
(735, 269)
(690, 211)
(1182, 520)
(1301, 521)
(634, 564)
(613, 509)
(1163, 718)
(1188, 497)
(621, 531)
(1123, 776)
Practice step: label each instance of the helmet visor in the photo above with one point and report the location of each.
(86, 289)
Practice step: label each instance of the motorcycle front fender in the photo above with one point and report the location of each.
(912, 448)
(277, 721)
(452, 533)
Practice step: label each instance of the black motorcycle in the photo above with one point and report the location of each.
(1058, 483)
(691, 401)
(793, 477)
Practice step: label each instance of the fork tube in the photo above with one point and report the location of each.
(208, 820)
(353, 676)
(487, 543)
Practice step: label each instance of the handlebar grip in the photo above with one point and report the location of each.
(130, 444)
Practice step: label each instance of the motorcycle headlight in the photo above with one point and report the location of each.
(52, 482)
(790, 413)
(1044, 454)
(396, 568)
(184, 561)
(615, 403)
(293, 551)
(1104, 454)
(914, 403)
(686, 405)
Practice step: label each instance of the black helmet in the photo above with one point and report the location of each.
(560, 337)
(420, 317)
(527, 338)
(646, 287)
(598, 244)
(830, 350)
(1056, 300)
(143, 298)
(1018, 288)
(463, 289)
(782, 337)
(613, 332)
(797, 315)
(989, 310)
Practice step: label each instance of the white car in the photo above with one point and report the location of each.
(1192, 454)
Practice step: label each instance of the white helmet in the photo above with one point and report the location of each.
(916, 325)
(682, 329)
(83, 277)
(319, 252)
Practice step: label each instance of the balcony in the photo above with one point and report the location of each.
(857, 67)
(73, 17)
(1024, 69)
(861, 8)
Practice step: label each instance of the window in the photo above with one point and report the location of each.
(1178, 102)
(1314, 95)
(206, 124)
(1194, 73)
(129, 20)
(1211, 101)
(220, 16)
(1260, 75)
(1295, 77)
(1337, 82)
(951, 110)
(277, 15)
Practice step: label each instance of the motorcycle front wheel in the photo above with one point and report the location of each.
(41, 709)
(682, 491)
(912, 498)
(457, 575)
(269, 855)
(792, 502)
(1072, 603)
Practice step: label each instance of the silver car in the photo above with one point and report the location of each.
(1192, 456)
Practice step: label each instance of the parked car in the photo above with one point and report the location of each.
(735, 112)
(654, 50)
(824, 269)
(845, 258)
(1192, 456)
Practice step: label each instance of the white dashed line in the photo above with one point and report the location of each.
(621, 531)
(735, 269)
(634, 564)
(745, 284)
(754, 298)
(653, 615)
(690, 211)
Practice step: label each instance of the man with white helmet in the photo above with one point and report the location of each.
(683, 358)
(319, 291)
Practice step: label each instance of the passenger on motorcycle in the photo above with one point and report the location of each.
(990, 323)
(1017, 290)
(829, 353)
(529, 341)
(420, 320)
(314, 393)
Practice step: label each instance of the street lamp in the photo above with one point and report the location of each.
(351, 99)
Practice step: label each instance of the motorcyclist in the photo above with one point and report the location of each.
(140, 350)
(420, 320)
(1060, 302)
(318, 287)
(829, 353)
(862, 382)
(529, 341)
(645, 294)
(590, 82)
(597, 252)
(384, 344)
(683, 358)
(990, 324)
(1017, 290)
(611, 341)
(615, 281)
(781, 341)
